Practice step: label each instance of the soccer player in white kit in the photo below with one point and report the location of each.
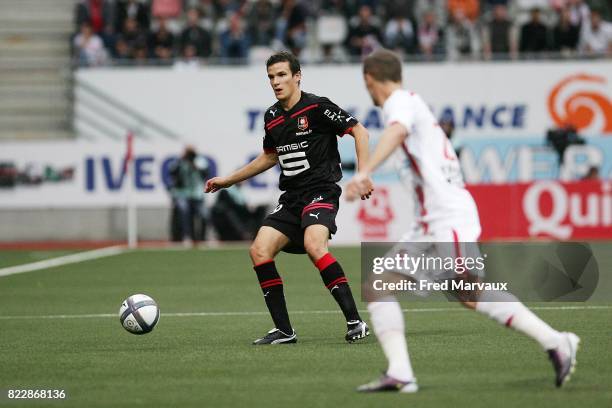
(446, 213)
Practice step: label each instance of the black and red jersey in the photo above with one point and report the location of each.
(304, 138)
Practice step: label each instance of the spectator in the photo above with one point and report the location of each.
(195, 35)
(498, 41)
(291, 26)
(333, 7)
(470, 9)
(188, 175)
(604, 7)
(438, 7)
(88, 47)
(210, 11)
(141, 54)
(234, 41)
(132, 37)
(592, 173)
(461, 37)
(565, 34)
(346, 8)
(400, 36)
(534, 34)
(429, 35)
(232, 6)
(189, 59)
(232, 218)
(98, 13)
(396, 9)
(490, 4)
(132, 9)
(261, 23)
(363, 36)
(123, 52)
(161, 42)
(596, 36)
(579, 12)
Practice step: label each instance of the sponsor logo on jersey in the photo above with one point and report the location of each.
(314, 200)
(337, 116)
(304, 133)
(302, 122)
(273, 112)
(292, 147)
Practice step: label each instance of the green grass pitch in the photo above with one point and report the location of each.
(461, 359)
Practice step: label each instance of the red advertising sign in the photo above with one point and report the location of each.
(375, 215)
(546, 209)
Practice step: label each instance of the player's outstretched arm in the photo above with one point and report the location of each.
(258, 165)
(360, 133)
(392, 137)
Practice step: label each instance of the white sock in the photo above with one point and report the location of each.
(388, 324)
(506, 309)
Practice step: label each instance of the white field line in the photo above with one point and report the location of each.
(306, 312)
(63, 260)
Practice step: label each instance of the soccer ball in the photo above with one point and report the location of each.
(139, 314)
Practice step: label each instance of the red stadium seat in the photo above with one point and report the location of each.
(167, 8)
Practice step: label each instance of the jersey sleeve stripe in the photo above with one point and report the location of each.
(347, 131)
(309, 107)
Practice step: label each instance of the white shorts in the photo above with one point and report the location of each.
(454, 232)
(442, 243)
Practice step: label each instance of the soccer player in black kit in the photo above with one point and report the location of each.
(300, 134)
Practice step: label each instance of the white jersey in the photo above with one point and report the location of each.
(430, 165)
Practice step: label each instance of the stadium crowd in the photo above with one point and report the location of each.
(187, 32)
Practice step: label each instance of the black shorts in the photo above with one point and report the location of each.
(298, 209)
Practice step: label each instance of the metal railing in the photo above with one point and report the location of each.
(99, 116)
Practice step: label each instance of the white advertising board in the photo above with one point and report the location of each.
(221, 106)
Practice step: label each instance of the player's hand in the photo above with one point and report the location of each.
(360, 186)
(215, 184)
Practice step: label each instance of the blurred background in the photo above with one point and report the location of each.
(114, 112)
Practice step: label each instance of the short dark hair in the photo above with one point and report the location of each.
(284, 56)
(383, 65)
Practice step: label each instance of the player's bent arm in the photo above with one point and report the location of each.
(258, 165)
(360, 133)
(361, 184)
(392, 137)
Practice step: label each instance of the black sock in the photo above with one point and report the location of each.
(272, 288)
(335, 280)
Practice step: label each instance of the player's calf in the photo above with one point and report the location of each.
(272, 287)
(336, 282)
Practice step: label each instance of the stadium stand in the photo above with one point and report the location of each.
(329, 30)
(35, 69)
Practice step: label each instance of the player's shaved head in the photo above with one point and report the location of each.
(383, 65)
(283, 56)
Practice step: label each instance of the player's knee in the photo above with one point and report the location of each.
(259, 253)
(315, 249)
(469, 304)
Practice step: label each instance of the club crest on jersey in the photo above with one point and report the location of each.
(302, 122)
